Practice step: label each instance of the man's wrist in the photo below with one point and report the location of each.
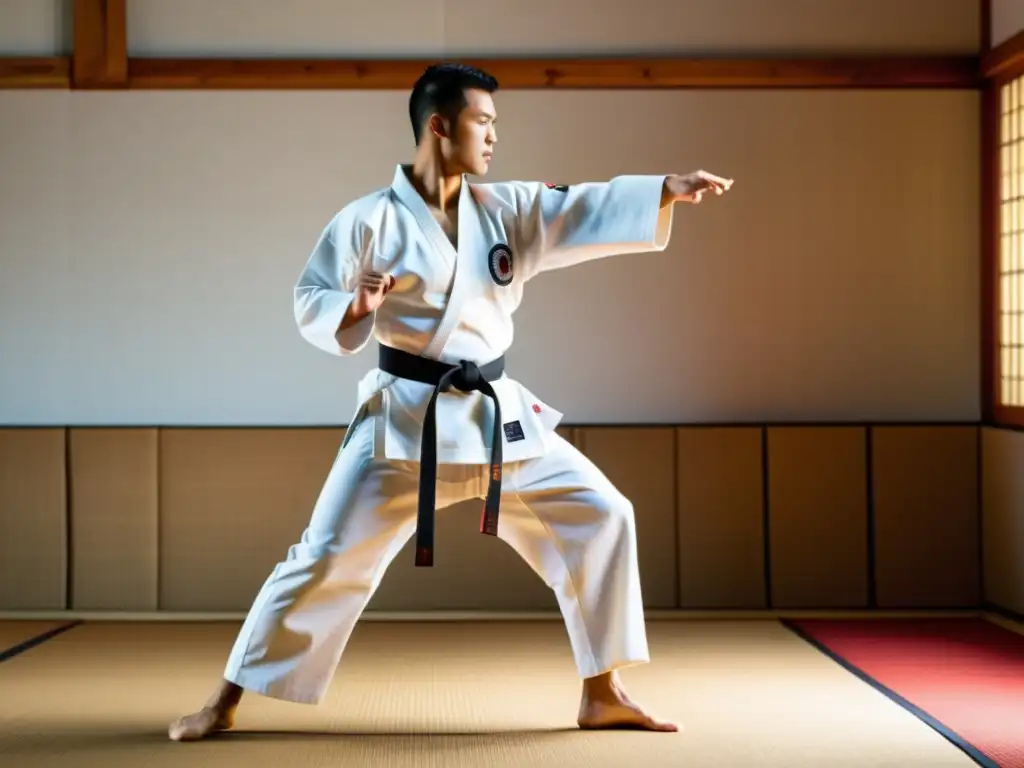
(353, 316)
(668, 193)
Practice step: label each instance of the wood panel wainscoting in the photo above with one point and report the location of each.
(729, 517)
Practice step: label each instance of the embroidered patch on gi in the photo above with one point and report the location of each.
(514, 431)
(500, 263)
(557, 187)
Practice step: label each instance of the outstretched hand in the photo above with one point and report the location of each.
(691, 187)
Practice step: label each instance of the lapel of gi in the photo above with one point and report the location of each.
(442, 246)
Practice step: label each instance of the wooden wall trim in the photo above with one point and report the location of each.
(517, 74)
(38, 72)
(100, 58)
(98, 63)
(781, 424)
(989, 247)
(434, 615)
(985, 27)
(1007, 416)
(1006, 60)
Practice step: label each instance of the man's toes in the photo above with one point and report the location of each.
(198, 725)
(178, 730)
(660, 725)
(629, 717)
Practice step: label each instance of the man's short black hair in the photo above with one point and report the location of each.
(442, 89)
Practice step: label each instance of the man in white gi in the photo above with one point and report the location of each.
(433, 267)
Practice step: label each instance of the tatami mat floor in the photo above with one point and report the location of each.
(480, 695)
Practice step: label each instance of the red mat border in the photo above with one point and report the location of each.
(941, 728)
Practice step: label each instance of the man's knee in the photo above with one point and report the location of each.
(615, 510)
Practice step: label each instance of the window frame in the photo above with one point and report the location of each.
(994, 411)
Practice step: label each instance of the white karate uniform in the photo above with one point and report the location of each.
(562, 515)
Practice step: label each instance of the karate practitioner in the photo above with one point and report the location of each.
(433, 268)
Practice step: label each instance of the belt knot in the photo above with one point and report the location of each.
(469, 377)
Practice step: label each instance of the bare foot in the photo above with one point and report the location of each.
(605, 706)
(201, 724)
(217, 715)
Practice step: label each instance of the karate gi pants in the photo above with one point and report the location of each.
(559, 512)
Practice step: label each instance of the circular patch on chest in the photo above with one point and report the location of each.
(500, 262)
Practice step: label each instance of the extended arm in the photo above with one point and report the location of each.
(560, 226)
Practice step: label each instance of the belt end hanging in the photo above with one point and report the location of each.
(489, 518)
(489, 522)
(424, 557)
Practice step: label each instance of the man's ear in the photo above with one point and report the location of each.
(438, 127)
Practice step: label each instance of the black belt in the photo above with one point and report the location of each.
(467, 377)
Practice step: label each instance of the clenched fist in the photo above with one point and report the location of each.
(370, 293)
